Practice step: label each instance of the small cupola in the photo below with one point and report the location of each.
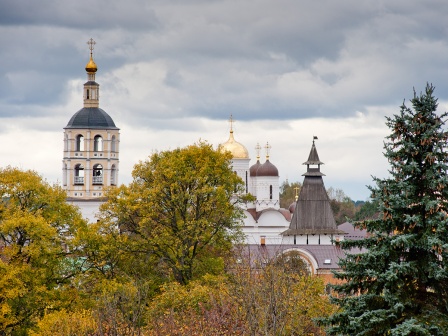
(267, 168)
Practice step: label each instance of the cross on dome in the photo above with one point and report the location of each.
(268, 148)
(231, 121)
(258, 149)
(296, 189)
(91, 67)
(91, 44)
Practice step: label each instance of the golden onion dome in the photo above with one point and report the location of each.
(238, 150)
(91, 66)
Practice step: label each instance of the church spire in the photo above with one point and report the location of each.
(91, 88)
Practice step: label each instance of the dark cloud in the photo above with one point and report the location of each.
(80, 14)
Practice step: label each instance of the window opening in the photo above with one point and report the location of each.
(98, 143)
(79, 174)
(113, 173)
(79, 142)
(97, 174)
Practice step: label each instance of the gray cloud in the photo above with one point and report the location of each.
(286, 59)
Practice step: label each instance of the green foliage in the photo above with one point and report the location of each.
(368, 210)
(288, 193)
(180, 211)
(37, 230)
(399, 286)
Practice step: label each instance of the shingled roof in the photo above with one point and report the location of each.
(313, 214)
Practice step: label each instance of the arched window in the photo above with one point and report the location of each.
(270, 191)
(113, 175)
(98, 143)
(247, 184)
(87, 94)
(113, 145)
(97, 174)
(79, 174)
(79, 143)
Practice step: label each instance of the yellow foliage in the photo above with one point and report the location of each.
(64, 323)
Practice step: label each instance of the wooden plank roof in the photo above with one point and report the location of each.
(313, 213)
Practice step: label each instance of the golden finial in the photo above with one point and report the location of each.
(258, 149)
(91, 66)
(268, 148)
(296, 189)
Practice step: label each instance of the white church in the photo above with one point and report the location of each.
(91, 163)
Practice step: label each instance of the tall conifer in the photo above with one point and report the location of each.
(397, 284)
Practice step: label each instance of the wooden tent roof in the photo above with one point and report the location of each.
(313, 214)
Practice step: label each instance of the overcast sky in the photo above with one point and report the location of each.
(172, 71)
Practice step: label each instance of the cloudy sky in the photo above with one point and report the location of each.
(172, 71)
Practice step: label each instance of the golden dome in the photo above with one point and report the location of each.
(238, 150)
(91, 66)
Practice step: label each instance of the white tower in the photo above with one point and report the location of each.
(91, 145)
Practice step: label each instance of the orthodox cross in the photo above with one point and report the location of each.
(258, 149)
(296, 189)
(268, 148)
(91, 44)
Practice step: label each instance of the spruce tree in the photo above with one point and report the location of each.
(397, 283)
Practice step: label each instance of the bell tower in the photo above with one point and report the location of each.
(91, 144)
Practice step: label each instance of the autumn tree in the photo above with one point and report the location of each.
(205, 306)
(279, 296)
(342, 205)
(180, 211)
(37, 228)
(399, 285)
